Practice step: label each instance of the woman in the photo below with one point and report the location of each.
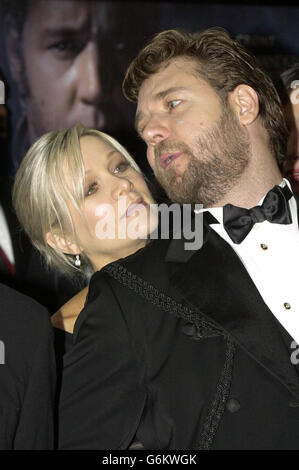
(84, 203)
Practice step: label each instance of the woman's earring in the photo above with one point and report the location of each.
(77, 261)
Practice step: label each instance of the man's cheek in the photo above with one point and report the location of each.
(150, 155)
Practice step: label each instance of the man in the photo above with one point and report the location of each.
(27, 373)
(290, 79)
(66, 59)
(56, 53)
(190, 349)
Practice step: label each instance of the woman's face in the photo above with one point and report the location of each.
(116, 205)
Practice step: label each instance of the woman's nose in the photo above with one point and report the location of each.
(122, 187)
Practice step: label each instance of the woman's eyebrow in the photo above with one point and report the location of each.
(109, 154)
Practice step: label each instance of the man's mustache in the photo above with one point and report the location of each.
(163, 147)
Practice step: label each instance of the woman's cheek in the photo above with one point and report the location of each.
(104, 221)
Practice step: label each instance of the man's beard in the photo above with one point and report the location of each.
(217, 161)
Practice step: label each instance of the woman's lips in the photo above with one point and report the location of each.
(168, 158)
(134, 207)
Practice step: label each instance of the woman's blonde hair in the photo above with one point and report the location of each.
(41, 197)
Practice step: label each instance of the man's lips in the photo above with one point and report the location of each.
(293, 170)
(167, 158)
(295, 174)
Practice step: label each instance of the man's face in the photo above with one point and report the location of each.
(195, 144)
(292, 163)
(65, 69)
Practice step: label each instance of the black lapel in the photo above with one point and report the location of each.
(214, 281)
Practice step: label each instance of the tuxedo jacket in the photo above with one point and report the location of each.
(27, 373)
(176, 349)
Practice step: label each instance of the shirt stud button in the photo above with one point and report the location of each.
(287, 306)
(233, 405)
(264, 246)
(189, 329)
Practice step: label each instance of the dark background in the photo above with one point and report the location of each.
(269, 30)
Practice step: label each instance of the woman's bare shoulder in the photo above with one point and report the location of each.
(66, 316)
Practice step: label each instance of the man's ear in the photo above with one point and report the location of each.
(245, 103)
(58, 242)
(14, 58)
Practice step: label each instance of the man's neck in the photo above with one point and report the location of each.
(250, 194)
(252, 186)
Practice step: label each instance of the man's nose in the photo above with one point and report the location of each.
(89, 87)
(156, 130)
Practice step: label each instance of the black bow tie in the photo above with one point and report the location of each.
(238, 221)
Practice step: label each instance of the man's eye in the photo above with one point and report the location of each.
(61, 46)
(92, 188)
(121, 167)
(68, 48)
(173, 103)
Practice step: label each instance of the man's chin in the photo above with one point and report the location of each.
(172, 187)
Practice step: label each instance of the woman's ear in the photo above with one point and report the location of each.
(58, 242)
(245, 103)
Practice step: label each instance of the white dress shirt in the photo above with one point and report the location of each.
(5, 240)
(270, 253)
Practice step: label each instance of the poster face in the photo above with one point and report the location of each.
(63, 61)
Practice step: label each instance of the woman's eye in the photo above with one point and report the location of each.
(92, 188)
(121, 167)
(173, 103)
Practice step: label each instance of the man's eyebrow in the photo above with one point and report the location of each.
(161, 94)
(64, 31)
(158, 97)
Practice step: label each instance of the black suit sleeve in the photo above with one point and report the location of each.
(35, 426)
(103, 392)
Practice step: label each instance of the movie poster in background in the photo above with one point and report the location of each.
(63, 61)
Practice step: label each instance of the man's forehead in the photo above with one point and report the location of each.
(172, 72)
(51, 15)
(179, 73)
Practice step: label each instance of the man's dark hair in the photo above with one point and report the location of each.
(14, 13)
(223, 63)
